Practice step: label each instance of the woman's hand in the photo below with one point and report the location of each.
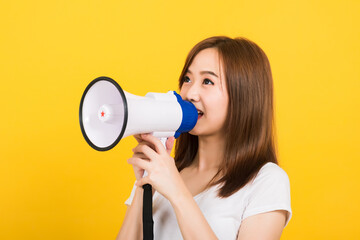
(150, 155)
(139, 172)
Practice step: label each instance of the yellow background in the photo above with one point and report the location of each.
(54, 186)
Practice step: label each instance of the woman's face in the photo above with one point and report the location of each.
(205, 86)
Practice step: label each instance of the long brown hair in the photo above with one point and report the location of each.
(249, 126)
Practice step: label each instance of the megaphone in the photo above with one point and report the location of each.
(108, 114)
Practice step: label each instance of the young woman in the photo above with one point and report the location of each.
(224, 182)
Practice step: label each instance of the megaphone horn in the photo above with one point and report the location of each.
(108, 114)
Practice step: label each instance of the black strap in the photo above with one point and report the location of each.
(148, 223)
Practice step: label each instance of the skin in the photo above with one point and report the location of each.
(205, 87)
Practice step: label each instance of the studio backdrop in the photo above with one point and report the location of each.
(53, 185)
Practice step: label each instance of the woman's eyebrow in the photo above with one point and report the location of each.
(204, 72)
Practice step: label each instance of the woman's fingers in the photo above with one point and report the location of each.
(145, 150)
(138, 138)
(159, 147)
(142, 141)
(169, 144)
(155, 143)
(140, 155)
(140, 163)
(143, 181)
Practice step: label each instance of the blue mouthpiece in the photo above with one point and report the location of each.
(189, 117)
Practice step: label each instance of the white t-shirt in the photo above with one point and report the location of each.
(269, 191)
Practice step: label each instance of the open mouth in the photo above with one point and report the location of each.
(200, 114)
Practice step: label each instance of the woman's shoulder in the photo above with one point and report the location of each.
(271, 179)
(271, 171)
(269, 191)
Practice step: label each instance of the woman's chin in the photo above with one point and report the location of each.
(194, 132)
(197, 131)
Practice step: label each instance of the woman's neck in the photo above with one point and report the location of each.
(210, 153)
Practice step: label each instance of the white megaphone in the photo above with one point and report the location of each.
(108, 114)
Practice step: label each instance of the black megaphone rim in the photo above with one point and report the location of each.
(103, 78)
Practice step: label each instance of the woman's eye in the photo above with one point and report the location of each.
(208, 82)
(186, 79)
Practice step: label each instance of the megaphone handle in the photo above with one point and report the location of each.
(148, 223)
(163, 141)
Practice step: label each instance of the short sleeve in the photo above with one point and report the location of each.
(269, 191)
(130, 199)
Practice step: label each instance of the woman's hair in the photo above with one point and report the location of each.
(249, 125)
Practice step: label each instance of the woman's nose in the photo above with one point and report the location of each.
(193, 93)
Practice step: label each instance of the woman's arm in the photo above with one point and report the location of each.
(264, 226)
(131, 228)
(132, 224)
(165, 178)
(191, 220)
